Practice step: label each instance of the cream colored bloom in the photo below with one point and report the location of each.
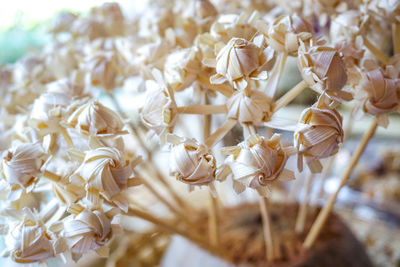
(181, 68)
(286, 32)
(105, 170)
(382, 96)
(323, 69)
(318, 135)
(241, 60)
(256, 162)
(88, 28)
(191, 162)
(93, 118)
(20, 167)
(112, 18)
(89, 230)
(102, 70)
(347, 26)
(254, 109)
(159, 110)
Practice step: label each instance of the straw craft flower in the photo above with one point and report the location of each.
(241, 60)
(323, 69)
(191, 162)
(101, 70)
(92, 118)
(21, 167)
(106, 173)
(286, 32)
(318, 135)
(382, 95)
(257, 162)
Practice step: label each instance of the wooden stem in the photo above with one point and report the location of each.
(302, 215)
(220, 132)
(324, 213)
(290, 95)
(197, 239)
(396, 37)
(203, 109)
(269, 248)
(378, 53)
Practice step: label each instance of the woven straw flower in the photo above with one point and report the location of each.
(285, 33)
(89, 230)
(318, 135)
(111, 16)
(256, 162)
(347, 26)
(241, 60)
(106, 171)
(181, 68)
(254, 109)
(93, 118)
(382, 95)
(30, 241)
(191, 162)
(323, 69)
(102, 71)
(88, 28)
(20, 167)
(159, 110)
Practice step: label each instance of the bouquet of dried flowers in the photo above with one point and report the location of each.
(70, 163)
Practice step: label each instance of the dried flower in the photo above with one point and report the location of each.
(111, 16)
(106, 171)
(318, 135)
(254, 109)
(324, 70)
(20, 167)
(88, 28)
(102, 70)
(287, 31)
(181, 68)
(89, 230)
(93, 118)
(256, 162)
(191, 162)
(240, 60)
(382, 95)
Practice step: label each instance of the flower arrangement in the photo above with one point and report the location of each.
(82, 158)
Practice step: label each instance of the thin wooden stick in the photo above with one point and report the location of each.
(203, 109)
(302, 215)
(290, 95)
(269, 248)
(378, 53)
(324, 213)
(220, 132)
(197, 239)
(396, 37)
(274, 78)
(221, 88)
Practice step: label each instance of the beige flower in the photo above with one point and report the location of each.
(89, 230)
(318, 135)
(241, 60)
(111, 16)
(30, 241)
(382, 95)
(191, 162)
(65, 86)
(93, 118)
(181, 68)
(254, 109)
(20, 167)
(257, 162)
(62, 22)
(347, 26)
(102, 70)
(106, 171)
(285, 33)
(88, 28)
(324, 71)
(159, 110)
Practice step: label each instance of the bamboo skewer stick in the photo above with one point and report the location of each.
(324, 213)
(220, 132)
(203, 109)
(378, 53)
(290, 95)
(269, 249)
(396, 37)
(302, 215)
(213, 212)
